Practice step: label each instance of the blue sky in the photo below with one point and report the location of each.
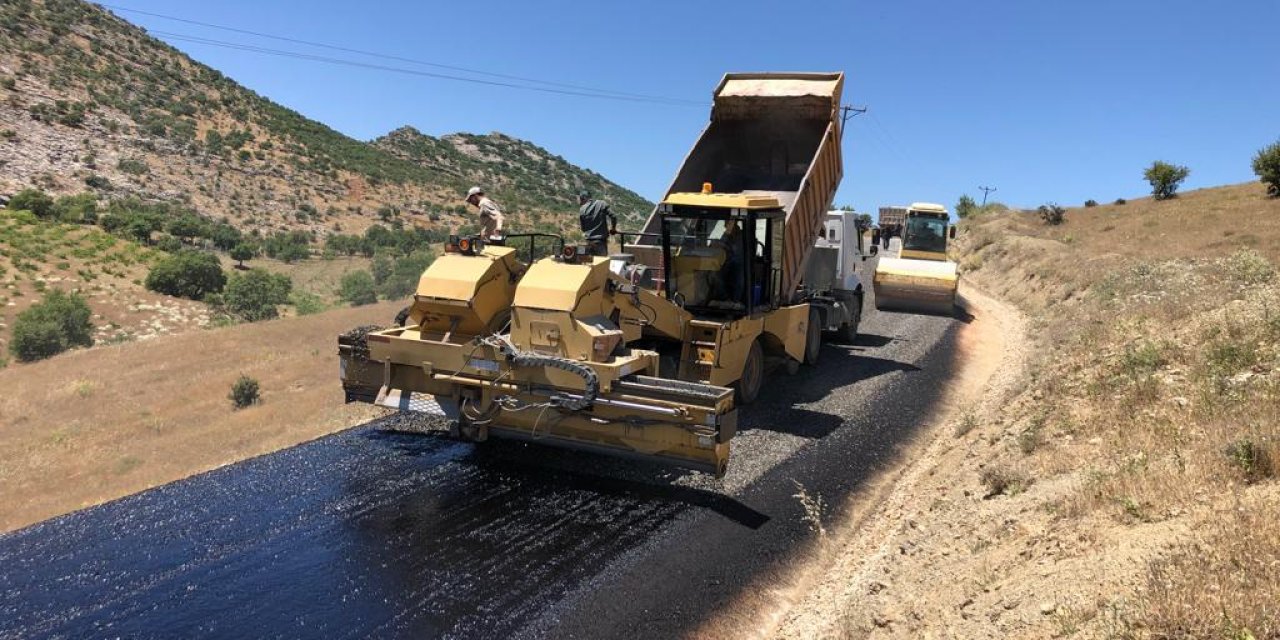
(1047, 101)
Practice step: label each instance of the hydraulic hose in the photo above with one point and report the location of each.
(588, 375)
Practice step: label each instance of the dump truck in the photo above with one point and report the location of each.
(890, 222)
(651, 351)
(920, 278)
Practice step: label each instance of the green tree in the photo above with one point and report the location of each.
(187, 274)
(382, 268)
(966, 207)
(255, 294)
(357, 288)
(1165, 179)
(186, 226)
(226, 237)
(33, 200)
(1267, 166)
(405, 273)
(242, 252)
(58, 322)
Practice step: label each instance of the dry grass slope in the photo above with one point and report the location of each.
(94, 425)
(1154, 402)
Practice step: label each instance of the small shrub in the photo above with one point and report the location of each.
(245, 392)
(1251, 459)
(97, 182)
(1052, 214)
(1266, 164)
(306, 303)
(1165, 179)
(33, 200)
(77, 209)
(1120, 201)
(966, 207)
(132, 166)
(1250, 267)
(58, 322)
(1004, 481)
(968, 422)
(1090, 203)
(187, 274)
(357, 288)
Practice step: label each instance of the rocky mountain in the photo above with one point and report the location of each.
(90, 102)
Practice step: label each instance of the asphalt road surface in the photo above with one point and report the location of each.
(388, 531)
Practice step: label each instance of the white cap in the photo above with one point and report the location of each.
(474, 191)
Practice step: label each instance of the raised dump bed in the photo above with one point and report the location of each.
(775, 134)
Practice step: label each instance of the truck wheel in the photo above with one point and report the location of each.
(813, 338)
(848, 332)
(747, 388)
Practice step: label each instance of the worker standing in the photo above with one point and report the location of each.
(592, 215)
(490, 214)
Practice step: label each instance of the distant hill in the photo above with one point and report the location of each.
(90, 102)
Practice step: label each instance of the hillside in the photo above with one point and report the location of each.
(1123, 482)
(90, 102)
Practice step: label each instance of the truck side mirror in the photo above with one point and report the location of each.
(951, 233)
(875, 237)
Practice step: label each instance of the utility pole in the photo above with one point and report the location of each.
(849, 111)
(985, 192)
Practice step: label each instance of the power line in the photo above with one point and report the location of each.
(375, 54)
(413, 72)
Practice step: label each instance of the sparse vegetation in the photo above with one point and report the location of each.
(58, 322)
(1156, 398)
(1165, 178)
(245, 392)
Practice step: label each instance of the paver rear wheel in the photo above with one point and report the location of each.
(748, 386)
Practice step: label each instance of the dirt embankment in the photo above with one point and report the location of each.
(1118, 475)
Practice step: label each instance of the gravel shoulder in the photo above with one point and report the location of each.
(874, 571)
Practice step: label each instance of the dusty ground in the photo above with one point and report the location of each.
(93, 425)
(857, 559)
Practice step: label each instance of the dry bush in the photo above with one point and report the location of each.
(1002, 480)
(1226, 584)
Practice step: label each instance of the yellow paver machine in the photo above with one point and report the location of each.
(647, 352)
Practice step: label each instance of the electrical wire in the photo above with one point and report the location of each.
(548, 86)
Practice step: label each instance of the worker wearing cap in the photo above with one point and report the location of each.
(598, 223)
(490, 214)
